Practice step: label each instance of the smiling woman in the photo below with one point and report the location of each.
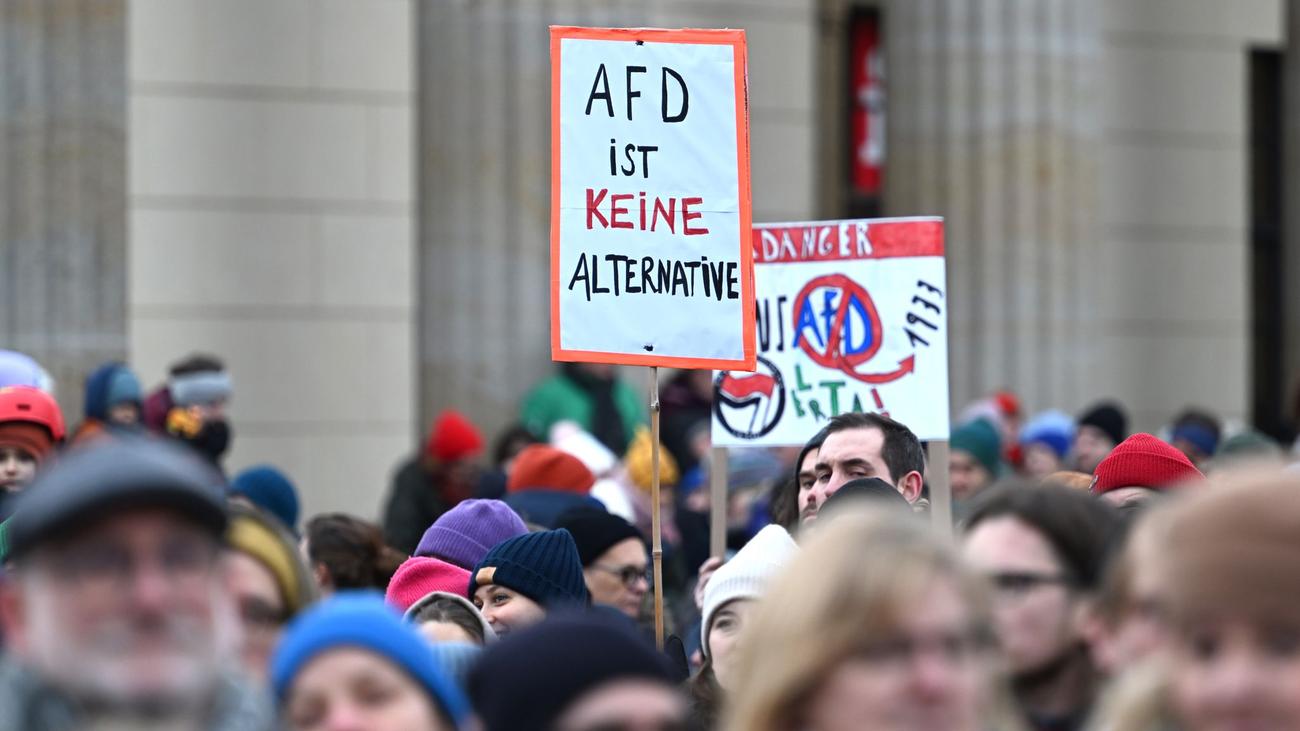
(524, 577)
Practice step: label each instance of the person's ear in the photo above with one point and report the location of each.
(911, 485)
(323, 580)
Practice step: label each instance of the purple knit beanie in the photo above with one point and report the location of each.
(465, 534)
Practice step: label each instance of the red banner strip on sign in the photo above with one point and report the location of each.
(780, 243)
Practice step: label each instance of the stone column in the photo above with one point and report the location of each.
(63, 163)
(992, 125)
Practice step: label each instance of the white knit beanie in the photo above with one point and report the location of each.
(746, 575)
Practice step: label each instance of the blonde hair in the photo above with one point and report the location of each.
(850, 586)
(1136, 700)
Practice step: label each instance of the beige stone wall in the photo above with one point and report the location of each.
(1171, 274)
(270, 203)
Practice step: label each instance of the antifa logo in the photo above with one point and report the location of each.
(749, 405)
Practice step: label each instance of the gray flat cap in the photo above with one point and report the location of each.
(91, 482)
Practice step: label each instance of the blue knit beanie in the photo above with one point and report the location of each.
(269, 489)
(109, 385)
(362, 620)
(1054, 429)
(542, 566)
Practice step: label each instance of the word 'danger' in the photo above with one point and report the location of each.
(651, 253)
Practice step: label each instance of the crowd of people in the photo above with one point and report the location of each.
(1093, 578)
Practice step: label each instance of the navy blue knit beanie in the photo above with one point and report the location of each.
(542, 566)
(269, 489)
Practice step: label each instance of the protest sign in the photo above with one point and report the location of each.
(651, 261)
(851, 316)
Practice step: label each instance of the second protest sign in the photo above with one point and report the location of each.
(852, 317)
(650, 221)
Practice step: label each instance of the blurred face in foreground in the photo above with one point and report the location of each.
(506, 609)
(357, 690)
(1137, 627)
(132, 612)
(1034, 606)
(262, 611)
(1232, 673)
(626, 705)
(926, 677)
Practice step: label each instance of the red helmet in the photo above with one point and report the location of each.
(24, 403)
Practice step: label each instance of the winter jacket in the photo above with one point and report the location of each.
(413, 505)
(564, 397)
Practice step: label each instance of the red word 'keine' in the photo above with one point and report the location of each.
(618, 210)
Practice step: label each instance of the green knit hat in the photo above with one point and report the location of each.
(980, 440)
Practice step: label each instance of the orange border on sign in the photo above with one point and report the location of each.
(735, 39)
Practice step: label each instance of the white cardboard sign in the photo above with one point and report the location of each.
(851, 316)
(650, 223)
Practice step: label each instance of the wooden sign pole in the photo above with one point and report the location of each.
(718, 503)
(656, 530)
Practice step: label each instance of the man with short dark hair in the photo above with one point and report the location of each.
(116, 606)
(863, 445)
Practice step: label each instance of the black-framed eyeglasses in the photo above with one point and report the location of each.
(1021, 582)
(629, 575)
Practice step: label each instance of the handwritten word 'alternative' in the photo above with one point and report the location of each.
(648, 275)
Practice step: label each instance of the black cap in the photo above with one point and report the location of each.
(871, 491)
(1109, 418)
(89, 483)
(528, 679)
(596, 531)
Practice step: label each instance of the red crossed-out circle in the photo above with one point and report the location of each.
(834, 356)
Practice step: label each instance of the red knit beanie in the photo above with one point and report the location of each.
(1142, 460)
(420, 576)
(546, 468)
(453, 437)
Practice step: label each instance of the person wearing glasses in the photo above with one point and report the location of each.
(115, 605)
(1043, 548)
(615, 564)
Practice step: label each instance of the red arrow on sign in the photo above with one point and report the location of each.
(905, 366)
